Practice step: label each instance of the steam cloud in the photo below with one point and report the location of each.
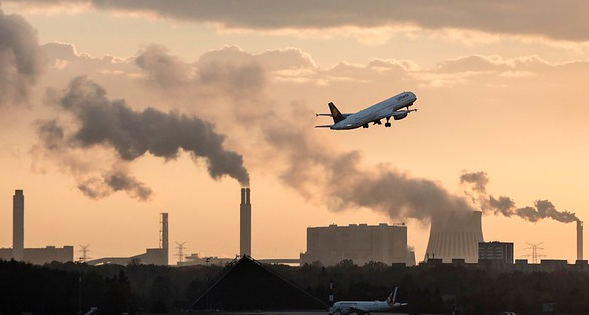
(476, 187)
(20, 58)
(317, 171)
(102, 122)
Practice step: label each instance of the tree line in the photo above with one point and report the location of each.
(62, 288)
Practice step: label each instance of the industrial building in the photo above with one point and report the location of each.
(455, 236)
(500, 252)
(38, 256)
(195, 259)
(245, 223)
(249, 286)
(152, 256)
(360, 243)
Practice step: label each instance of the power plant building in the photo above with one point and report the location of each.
(41, 256)
(37, 256)
(360, 243)
(455, 236)
(245, 223)
(496, 252)
(152, 256)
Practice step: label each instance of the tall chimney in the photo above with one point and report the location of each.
(164, 243)
(245, 223)
(18, 225)
(579, 240)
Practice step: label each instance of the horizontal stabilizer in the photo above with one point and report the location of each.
(317, 115)
(323, 126)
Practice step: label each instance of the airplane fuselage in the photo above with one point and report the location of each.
(363, 307)
(367, 306)
(376, 112)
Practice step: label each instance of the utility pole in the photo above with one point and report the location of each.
(180, 253)
(535, 254)
(84, 258)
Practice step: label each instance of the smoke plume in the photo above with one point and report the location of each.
(292, 148)
(475, 185)
(20, 59)
(101, 122)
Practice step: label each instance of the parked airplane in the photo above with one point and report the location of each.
(374, 114)
(366, 307)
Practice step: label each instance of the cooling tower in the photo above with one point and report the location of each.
(579, 240)
(456, 235)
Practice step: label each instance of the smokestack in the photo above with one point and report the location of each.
(18, 225)
(245, 223)
(164, 243)
(579, 240)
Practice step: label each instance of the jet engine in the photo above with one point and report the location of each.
(399, 117)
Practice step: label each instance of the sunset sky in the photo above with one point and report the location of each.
(502, 87)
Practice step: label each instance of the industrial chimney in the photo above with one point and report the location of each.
(455, 235)
(579, 240)
(18, 225)
(245, 223)
(164, 243)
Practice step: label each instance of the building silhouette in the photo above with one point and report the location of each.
(496, 251)
(38, 256)
(152, 256)
(360, 243)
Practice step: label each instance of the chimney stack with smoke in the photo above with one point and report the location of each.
(579, 240)
(18, 225)
(245, 223)
(164, 242)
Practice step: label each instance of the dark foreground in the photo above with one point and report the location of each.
(435, 289)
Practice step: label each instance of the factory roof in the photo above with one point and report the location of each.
(248, 285)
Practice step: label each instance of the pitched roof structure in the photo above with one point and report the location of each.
(250, 286)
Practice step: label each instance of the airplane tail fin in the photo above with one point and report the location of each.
(335, 113)
(330, 297)
(392, 297)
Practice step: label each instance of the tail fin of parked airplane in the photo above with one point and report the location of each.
(331, 310)
(335, 113)
(392, 297)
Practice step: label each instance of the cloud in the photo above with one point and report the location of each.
(544, 18)
(21, 60)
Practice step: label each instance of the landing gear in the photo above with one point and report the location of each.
(365, 126)
(387, 124)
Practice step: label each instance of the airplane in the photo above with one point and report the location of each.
(366, 307)
(386, 109)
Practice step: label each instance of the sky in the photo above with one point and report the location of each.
(114, 111)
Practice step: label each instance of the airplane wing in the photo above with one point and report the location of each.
(323, 126)
(402, 112)
(329, 115)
